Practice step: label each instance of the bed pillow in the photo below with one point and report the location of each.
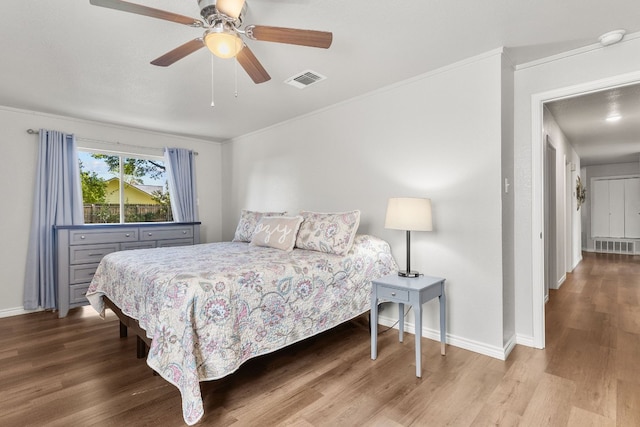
(248, 222)
(328, 232)
(277, 232)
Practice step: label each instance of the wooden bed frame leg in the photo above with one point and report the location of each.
(123, 330)
(141, 348)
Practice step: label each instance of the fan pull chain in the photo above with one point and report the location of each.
(235, 75)
(212, 102)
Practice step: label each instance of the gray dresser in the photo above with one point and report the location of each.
(79, 249)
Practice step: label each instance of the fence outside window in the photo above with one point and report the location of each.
(110, 213)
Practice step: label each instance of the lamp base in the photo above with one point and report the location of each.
(405, 273)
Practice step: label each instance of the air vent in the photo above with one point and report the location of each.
(304, 79)
(614, 246)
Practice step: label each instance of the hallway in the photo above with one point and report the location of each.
(592, 346)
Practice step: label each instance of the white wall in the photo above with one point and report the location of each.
(17, 175)
(508, 203)
(599, 171)
(598, 65)
(567, 249)
(436, 136)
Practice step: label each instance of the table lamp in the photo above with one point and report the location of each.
(409, 214)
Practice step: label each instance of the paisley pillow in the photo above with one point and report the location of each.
(247, 224)
(328, 232)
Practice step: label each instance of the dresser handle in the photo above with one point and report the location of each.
(149, 234)
(127, 235)
(82, 237)
(393, 294)
(184, 231)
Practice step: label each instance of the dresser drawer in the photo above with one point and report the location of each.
(394, 294)
(166, 233)
(175, 242)
(81, 273)
(138, 245)
(77, 293)
(85, 254)
(88, 237)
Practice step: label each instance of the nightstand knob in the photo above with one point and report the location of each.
(393, 294)
(82, 237)
(150, 234)
(127, 235)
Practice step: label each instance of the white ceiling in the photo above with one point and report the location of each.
(583, 120)
(73, 59)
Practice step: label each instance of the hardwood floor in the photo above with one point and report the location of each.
(76, 371)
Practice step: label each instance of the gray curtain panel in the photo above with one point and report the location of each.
(181, 176)
(57, 201)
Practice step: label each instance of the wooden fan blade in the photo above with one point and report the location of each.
(310, 38)
(147, 11)
(252, 66)
(231, 8)
(178, 53)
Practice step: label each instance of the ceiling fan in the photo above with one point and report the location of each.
(222, 21)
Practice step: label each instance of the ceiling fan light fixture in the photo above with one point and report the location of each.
(223, 41)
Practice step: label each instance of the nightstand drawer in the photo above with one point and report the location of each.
(392, 293)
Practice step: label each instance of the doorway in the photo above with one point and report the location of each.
(538, 196)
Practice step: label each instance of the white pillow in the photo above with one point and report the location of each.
(278, 232)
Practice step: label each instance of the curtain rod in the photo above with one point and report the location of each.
(99, 141)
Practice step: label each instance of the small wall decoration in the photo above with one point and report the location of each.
(581, 192)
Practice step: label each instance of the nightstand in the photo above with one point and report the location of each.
(407, 290)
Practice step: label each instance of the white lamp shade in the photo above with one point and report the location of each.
(409, 213)
(231, 8)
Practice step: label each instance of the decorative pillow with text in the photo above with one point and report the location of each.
(277, 232)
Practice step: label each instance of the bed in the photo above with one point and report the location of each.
(206, 309)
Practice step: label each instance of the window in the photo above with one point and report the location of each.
(119, 188)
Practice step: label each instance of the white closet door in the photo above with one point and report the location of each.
(632, 208)
(600, 208)
(616, 208)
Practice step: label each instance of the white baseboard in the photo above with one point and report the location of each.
(526, 340)
(9, 312)
(509, 346)
(456, 341)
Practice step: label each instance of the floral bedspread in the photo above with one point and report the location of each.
(210, 307)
